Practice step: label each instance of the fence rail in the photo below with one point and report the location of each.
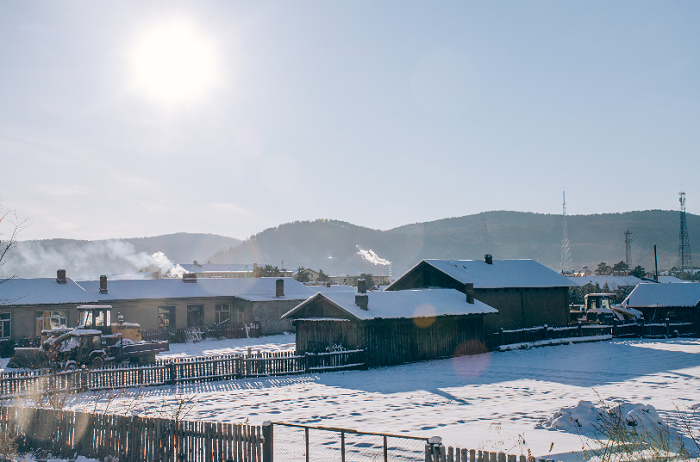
(180, 370)
(130, 438)
(535, 334)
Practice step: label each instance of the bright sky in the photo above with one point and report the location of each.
(122, 119)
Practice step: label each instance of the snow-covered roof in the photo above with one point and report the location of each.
(670, 279)
(253, 289)
(498, 274)
(650, 295)
(613, 281)
(401, 304)
(333, 288)
(42, 291)
(215, 267)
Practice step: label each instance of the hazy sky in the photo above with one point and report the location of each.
(121, 119)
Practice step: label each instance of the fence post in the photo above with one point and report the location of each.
(171, 370)
(501, 341)
(545, 330)
(668, 330)
(432, 449)
(268, 448)
(580, 329)
(84, 386)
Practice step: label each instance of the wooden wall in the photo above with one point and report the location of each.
(389, 341)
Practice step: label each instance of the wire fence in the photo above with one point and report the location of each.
(301, 443)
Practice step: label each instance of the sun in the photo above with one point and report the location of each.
(174, 63)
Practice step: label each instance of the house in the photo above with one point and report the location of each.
(27, 306)
(658, 302)
(393, 327)
(192, 302)
(311, 275)
(525, 292)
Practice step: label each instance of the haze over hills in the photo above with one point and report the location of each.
(114, 257)
(343, 248)
(333, 245)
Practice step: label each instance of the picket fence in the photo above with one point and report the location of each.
(129, 438)
(436, 452)
(180, 370)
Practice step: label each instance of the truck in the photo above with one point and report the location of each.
(95, 342)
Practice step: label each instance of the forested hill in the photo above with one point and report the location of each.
(333, 245)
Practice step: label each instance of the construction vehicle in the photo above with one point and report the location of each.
(598, 308)
(95, 342)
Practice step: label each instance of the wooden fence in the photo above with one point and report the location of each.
(535, 334)
(179, 370)
(436, 452)
(130, 438)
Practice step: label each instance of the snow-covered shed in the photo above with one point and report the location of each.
(29, 305)
(658, 302)
(525, 292)
(192, 302)
(393, 327)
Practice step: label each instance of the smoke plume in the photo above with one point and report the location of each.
(371, 256)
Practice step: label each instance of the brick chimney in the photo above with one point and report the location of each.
(61, 276)
(469, 290)
(103, 284)
(488, 258)
(279, 288)
(362, 300)
(361, 286)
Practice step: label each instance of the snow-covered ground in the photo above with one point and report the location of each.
(496, 401)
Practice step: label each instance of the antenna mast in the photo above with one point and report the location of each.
(628, 248)
(684, 261)
(566, 265)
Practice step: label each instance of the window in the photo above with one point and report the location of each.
(5, 325)
(195, 315)
(239, 315)
(222, 313)
(47, 320)
(166, 316)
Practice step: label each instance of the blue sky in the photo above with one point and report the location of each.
(376, 113)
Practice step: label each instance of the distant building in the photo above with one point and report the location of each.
(220, 270)
(311, 275)
(525, 292)
(379, 280)
(392, 327)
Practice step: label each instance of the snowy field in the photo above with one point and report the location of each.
(496, 401)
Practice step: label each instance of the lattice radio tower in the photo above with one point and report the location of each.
(566, 265)
(684, 261)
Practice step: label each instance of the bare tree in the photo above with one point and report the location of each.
(8, 239)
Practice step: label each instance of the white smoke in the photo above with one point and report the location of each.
(371, 256)
(86, 260)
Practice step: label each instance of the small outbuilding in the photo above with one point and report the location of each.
(659, 302)
(392, 327)
(525, 292)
